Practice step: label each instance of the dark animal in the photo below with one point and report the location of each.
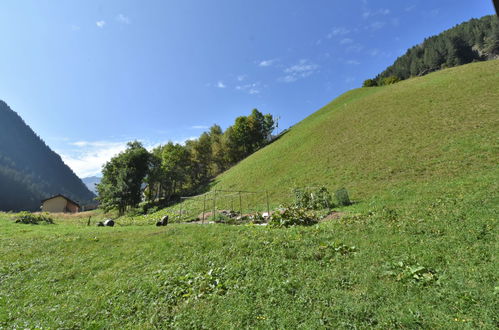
(106, 223)
(163, 221)
(109, 223)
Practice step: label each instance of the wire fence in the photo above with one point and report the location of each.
(241, 203)
(208, 206)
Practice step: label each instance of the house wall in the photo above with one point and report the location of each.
(73, 208)
(57, 204)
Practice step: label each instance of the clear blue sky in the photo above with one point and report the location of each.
(88, 76)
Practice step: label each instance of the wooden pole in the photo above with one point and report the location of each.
(240, 204)
(204, 208)
(268, 206)
(180, 211)
(88, 223)
(214, 204)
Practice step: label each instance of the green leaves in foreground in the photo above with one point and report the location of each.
(412, 273)
(293, 216)
(33, 219)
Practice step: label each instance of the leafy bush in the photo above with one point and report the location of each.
(312, 199)
(389, 80)
(33, 219)
(370, 83)
(293, 216)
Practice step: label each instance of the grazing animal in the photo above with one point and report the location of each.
(163, 222)
(109, 223)
(106, 223)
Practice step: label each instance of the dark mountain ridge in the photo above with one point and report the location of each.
(29, 170)
(472, 41)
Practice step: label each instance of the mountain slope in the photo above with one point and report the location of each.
(90, 182)
(438, 127)
(29, 169)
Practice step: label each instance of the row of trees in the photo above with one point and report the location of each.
(475, 40)
(173, 169)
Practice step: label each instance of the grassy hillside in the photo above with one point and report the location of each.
(418, 250)
(380, 140)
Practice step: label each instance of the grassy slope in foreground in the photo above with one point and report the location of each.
(376, 141)
(429, 262)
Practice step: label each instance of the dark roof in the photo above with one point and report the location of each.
(60, 195)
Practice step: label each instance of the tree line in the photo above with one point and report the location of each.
(475, 40)
(172, 170)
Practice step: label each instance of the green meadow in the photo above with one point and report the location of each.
(417, 249)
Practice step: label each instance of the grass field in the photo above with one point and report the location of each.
(418, 249)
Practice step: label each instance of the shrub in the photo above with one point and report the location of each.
(33, 219)
(389, 80)
(293, 216)
(370, 83)
(312, 199)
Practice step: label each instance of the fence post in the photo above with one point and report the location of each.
(204, 207)
(268, 206)
(180, 211)
(240, 204)
(214, 204)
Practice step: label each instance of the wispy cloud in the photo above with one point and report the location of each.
(88, 157)
(100, 24)
(410, 8)
(220, 84)
(376, 25)
(354, 48)
(380, 12)
(122, 19)
(252, 89)
(302, 69)
(338, 31)
(346, 41)
(265, 63)
(75, 28)
(353, 62)
(241, 77)
(199, 127)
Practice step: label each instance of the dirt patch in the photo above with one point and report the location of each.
(333, 216)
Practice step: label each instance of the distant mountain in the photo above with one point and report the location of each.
(90, 182)
(29, 170)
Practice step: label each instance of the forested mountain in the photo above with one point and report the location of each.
(29, 170)
(475, 40)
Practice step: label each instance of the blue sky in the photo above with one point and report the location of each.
(88, 76)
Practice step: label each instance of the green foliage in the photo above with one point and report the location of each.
(412, 273)
(312, 198)
(122, 177)
(182, 170)
(389, 80)
(33, 219)
(475, 40)
(293, 216)
(370, 83)
(188, 287)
